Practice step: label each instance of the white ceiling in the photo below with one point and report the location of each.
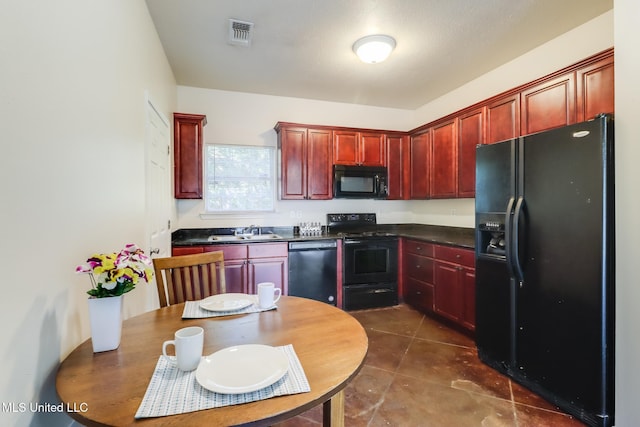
(302, 48)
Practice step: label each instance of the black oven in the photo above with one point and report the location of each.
(359, 182)
(370, 272)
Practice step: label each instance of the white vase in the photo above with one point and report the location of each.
(105, 315)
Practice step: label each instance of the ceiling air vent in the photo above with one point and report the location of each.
(240, 32)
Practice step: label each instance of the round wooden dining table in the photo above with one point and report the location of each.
(107, 388)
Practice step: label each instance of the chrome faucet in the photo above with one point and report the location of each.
(247, 230)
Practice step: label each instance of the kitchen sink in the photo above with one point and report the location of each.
(223, 238)
(262, 237)
(254, 237)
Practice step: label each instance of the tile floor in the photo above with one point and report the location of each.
(421, 373)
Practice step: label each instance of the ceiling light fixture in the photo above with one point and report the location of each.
(374, 49)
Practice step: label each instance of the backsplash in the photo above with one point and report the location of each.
(454, 213)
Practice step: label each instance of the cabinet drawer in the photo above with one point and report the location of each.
(460, 256)
(186, 250)
(419, 248)
(419, 267)
(230, 251)
(268, 250)
(419, 295)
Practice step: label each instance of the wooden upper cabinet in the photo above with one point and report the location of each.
(372, 149)
(549, 104)
(345, 147)
(396, 155)
(419, 163)
(503, 119)
(293, 145)
(187, 152)
(319, 164)
(470, 135)
(444, 160)
(358, 148)
(595, 89)
(306, 163)
(436, 160)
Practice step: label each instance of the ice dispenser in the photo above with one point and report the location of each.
(491, 236)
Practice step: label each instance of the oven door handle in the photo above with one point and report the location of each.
(353, 242)
(382, 291)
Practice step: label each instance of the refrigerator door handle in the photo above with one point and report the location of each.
(517, 266)
(508, 236)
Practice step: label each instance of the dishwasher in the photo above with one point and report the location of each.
(312, 270)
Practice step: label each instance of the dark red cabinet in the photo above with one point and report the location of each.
(306, 163)
(440, 279)
(419, 163)
(352, 147)
(396, 153)
(418, 273)
(470, 134)
(444, 160)
(503, 119)
(454, 285)
(549, 104)
(247, 265)
(187, 155)
(595, 89)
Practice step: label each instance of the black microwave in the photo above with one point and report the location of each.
(359, 182)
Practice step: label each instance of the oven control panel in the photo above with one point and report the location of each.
(352, 219)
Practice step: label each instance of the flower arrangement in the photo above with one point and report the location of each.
(115, 274)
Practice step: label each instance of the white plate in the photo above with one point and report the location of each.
(227, 302)
(242, 368)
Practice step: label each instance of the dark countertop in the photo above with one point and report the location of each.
(452, 236)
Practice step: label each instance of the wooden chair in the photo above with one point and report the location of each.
(189, 277)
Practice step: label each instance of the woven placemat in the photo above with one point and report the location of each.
(172, 391)
(192, 310)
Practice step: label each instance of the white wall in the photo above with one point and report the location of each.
(73, 77)
(627, 34)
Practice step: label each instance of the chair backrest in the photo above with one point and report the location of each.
(189, 277)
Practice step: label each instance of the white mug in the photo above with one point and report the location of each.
(267, 294)
(188, 343)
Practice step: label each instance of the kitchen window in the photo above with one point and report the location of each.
(239, 178)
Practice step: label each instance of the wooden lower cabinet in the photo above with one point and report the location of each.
(469, 297)
(268, 262)
(247, 265)
(440, 280)
(454, 285)
(186, 250)
(418, 274)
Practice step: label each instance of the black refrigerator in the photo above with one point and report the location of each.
(545, 259)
